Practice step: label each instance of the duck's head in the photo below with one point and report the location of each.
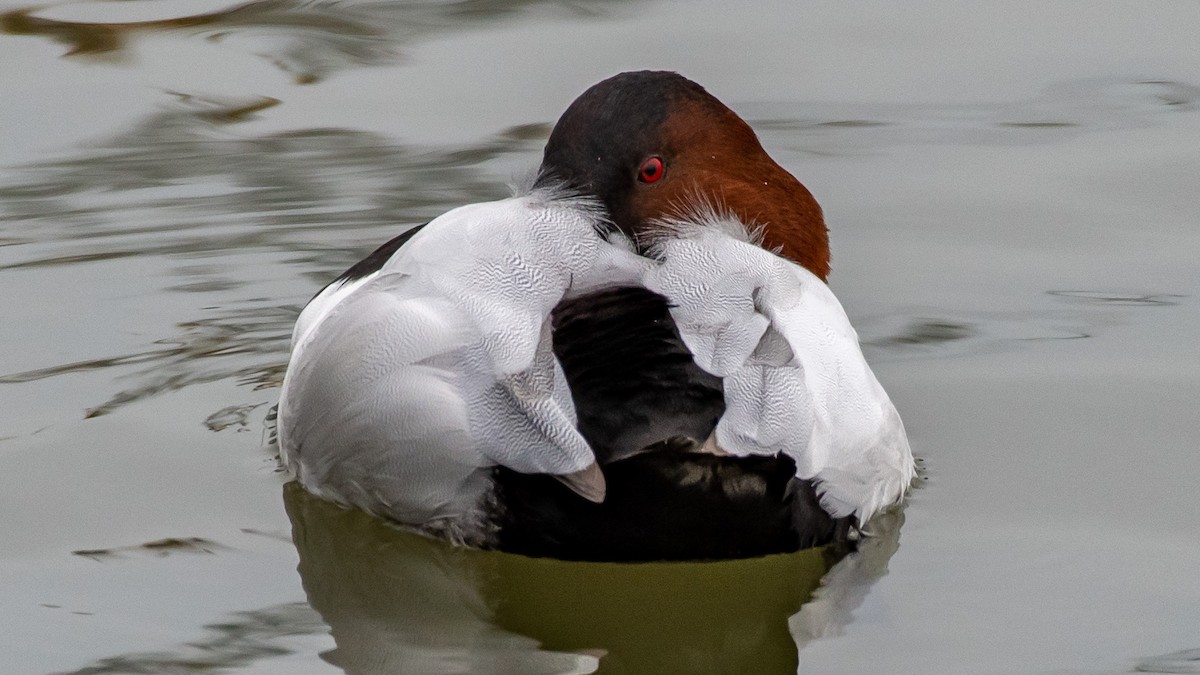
(655, 145)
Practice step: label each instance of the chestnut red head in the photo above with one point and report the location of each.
(650, 144)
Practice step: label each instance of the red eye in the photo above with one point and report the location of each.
(652, 170)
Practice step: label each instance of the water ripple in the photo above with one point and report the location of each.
(309, 40)
(248, 227)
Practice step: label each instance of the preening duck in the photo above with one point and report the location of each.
(638, 358)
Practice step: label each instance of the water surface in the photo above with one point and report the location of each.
(1011, 193)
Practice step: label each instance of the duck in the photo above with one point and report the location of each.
(637, 357)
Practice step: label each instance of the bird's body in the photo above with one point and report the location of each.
(580, 372)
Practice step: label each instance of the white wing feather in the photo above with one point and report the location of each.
(794, 377)
(401, 388)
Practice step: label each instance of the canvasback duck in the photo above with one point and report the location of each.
(635, 359)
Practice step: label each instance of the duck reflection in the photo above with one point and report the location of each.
(398, 602)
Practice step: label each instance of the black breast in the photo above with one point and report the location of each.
(632, 379)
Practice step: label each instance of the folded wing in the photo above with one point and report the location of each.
(794, 377)
(441, 362)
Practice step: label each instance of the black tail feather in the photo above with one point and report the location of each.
(668, 505)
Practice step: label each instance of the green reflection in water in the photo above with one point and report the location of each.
(400, 602)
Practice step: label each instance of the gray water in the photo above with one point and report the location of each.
(1011, 190)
